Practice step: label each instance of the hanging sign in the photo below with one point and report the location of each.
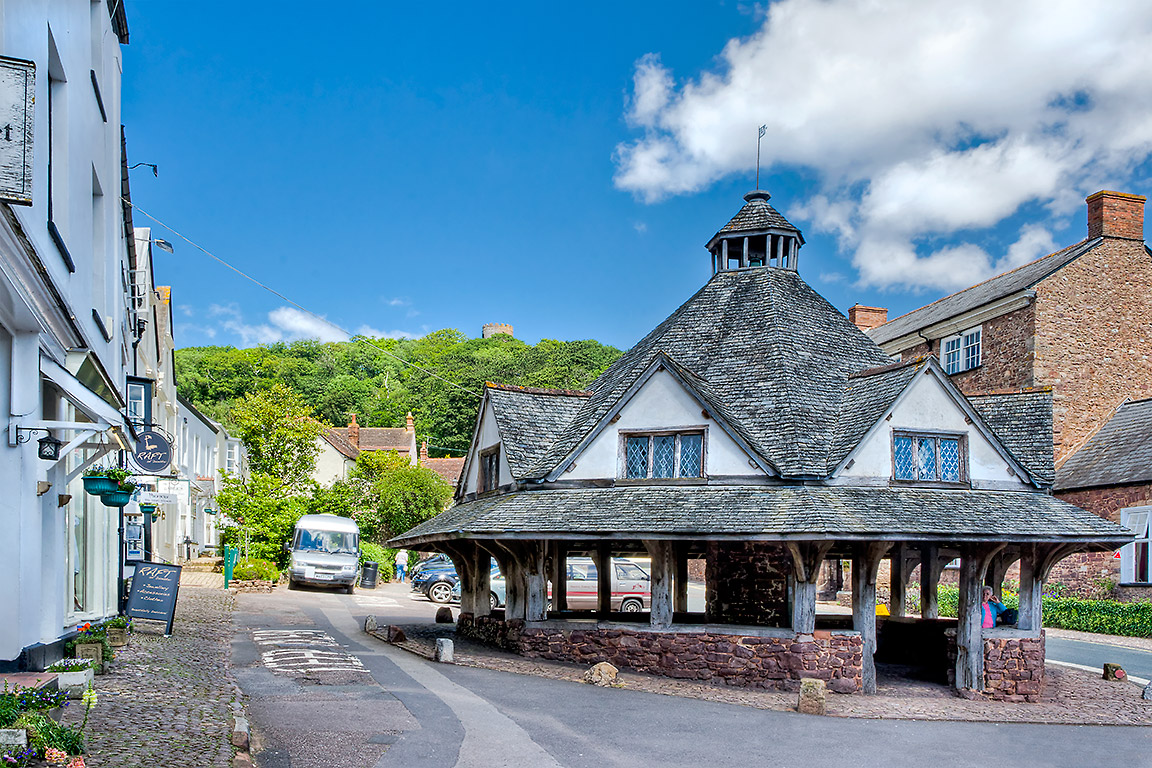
(17, 112)
(154, 590)
(156, 497)
(153, 451)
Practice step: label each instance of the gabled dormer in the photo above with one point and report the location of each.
(757, 236)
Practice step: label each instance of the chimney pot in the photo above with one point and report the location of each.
(354, 432)
(424, 452)
(1115, 214)
(409, 423)
(867, 318)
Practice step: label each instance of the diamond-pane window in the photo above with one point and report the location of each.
(905, 465)
(928, 458)
(636, 452)
(950, 460)
(691, 449)
(664, 456)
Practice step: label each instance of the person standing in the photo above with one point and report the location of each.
(401, 564)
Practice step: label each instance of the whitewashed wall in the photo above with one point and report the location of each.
(487, 435)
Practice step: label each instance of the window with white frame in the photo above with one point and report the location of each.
(139, 400)
(1135, 565)
(663, 455)
(929, 458)
(961, 352)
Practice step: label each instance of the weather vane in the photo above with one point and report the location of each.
(763, 130)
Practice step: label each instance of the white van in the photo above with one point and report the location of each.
(325, 552)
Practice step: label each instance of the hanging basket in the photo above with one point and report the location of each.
(148, 509)
(117, 498)
(98, 485)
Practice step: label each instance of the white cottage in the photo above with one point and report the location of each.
(760, 431)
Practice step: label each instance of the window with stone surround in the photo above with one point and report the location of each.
(1135, 564)
(919, 457)
(962, 352)
(662, 455)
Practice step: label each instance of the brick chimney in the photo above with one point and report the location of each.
(424, 452)
(409, 424)
(1115, 214)
(354, 432)
(866, 318)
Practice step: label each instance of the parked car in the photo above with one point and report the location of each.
(325, 551)
(436, 582)
(631, 585)
(499, 594)
(438, 560)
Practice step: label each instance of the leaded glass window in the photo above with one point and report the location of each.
(691, 452)
(664, 456)
(929, 458)
(637, 450)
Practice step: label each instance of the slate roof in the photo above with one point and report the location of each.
(867, 396)
(1119, 454)
(448, 467)
(529, 420)
(339, 442)
(1023, 422)
(756, 216)
(763, 344)
(980, 294)
(796, 512)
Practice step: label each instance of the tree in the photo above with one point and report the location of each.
(263, 515)
(280, 433)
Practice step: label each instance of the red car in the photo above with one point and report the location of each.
(631, 586)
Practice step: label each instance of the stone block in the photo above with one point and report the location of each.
(812, 697)
(370, 624)
(1114, 672)
(444, 615)
(604, 674)
(444, 650)
(395, 634)
(842, 685)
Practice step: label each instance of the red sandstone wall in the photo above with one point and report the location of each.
(747, 583)
(1014, 668)
(1081, 573)
(1094, 338)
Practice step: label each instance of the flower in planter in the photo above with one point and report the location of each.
(55, 756)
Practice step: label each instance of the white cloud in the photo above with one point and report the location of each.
(399, 302)
(294, 324)
(921, 120)
(374, 333)
(640, 226)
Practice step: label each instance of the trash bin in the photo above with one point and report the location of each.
(369, 574)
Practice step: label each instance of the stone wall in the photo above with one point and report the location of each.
(747, 583)
(1014, 668)
(491, 630)
(777, 663)
(1083, 574)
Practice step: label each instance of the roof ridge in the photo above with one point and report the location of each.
(538, 390)
(990, 279)
(1133, 402)
(1011, 391)
(866, 372)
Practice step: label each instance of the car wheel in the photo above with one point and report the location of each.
(632, 605)
(440, 592)
(350, 589)
(292, 583)
(493, 601)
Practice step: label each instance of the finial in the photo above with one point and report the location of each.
(763, 130)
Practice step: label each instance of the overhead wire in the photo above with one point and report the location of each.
(274, 292)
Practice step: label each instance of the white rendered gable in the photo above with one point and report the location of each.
(661, 403)
(487, 435)
(926, 405)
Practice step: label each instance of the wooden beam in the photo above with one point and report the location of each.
(680, 599)
(1031, 589)
(559, 576)
(865, 563)
(974, 562)
(515, 579)
(899, 580)
(603, 557)
(536, 593)
(930, 569)
(997, 568)
(663, 569)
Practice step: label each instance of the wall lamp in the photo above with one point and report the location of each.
(48, 447)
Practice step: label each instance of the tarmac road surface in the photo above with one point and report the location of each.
(322, 693)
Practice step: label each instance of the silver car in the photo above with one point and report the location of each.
(325, 552)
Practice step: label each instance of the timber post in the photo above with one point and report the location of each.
(865, 564)
(559, 576)
(974, 562)
(806, 560)
(899, 580)
(930, 569)
(603, 559)
(680, 599)
(536, 592)
(663, 568)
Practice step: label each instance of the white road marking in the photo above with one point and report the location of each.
(374, 601)
(311, 660)
(292, 637)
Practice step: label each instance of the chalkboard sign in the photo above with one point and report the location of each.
(154, 590)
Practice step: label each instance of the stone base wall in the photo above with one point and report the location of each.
(255, 585)
(1014, 668)
(775, 663)
(748, 584)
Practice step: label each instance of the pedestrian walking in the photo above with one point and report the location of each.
(401, 564)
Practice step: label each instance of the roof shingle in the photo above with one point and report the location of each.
(1119, 454)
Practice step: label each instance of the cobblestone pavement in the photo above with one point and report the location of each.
(166, 701)
(201, 579)
(1071, 697)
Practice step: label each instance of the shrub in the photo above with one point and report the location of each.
(255, 569)
(45, 733)
(384, 558)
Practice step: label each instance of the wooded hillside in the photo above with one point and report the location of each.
(352, 377)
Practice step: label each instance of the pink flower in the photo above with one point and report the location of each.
(76, 762)
(55, 756)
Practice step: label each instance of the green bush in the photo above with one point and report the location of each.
(1108, 617)
(44, 732)
(91, 635)
(384, 558)
(255, 569)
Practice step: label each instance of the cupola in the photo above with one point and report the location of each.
(757, 236)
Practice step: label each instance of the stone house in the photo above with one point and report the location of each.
(758, 430)
(339, 447)
(1076, 323)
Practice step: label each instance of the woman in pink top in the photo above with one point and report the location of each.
(990, 609)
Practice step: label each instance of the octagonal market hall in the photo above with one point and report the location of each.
(760, 441)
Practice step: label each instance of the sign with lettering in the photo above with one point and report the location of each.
(17, 113)
(155, 587)
(153, 451)
(155, 497)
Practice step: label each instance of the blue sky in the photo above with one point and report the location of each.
(402, 169)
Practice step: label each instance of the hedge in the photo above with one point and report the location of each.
(384, 558)
(255, 569)
(1108, 617)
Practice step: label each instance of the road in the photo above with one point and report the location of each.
(1095, 655)
(323, 693)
